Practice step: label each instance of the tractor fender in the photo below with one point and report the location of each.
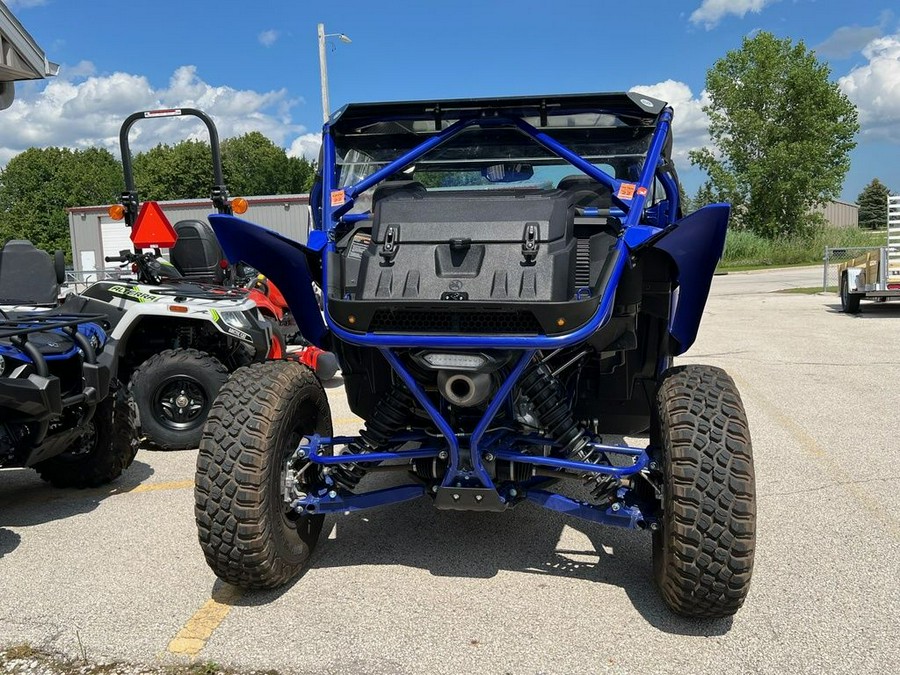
(284, 261)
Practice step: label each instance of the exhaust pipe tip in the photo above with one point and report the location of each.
(464, 389)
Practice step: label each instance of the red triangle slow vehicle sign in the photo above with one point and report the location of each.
(152, 229)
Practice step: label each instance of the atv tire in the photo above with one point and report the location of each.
(247, 532)
(849, 301)
(703, 549)
(101, 455)
(164, 381)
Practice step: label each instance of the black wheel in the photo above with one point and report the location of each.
(248, 533)
(171, 395)
(703, 550)
(103, 452)
(849, 301)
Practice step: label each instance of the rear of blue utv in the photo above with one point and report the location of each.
(506, 283)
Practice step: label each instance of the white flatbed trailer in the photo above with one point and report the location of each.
(876, 274)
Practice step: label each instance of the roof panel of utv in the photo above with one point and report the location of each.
(639, 107)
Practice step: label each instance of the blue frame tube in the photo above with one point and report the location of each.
(435, 414)
(629, 517)
(557, 463)
(344, 502)
(499, 399)
(648, 172)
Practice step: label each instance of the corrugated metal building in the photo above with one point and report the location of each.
(95, 235)
(841, 214)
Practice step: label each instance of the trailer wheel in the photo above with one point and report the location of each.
(103, 452)
(703, 549)
(849, 301)
(249, 535)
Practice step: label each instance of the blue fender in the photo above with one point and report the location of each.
(282, 260)
(695, 246)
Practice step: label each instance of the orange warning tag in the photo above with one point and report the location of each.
(337, 197)
(642, 192)
(626, 191)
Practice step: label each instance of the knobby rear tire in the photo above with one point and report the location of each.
(246, 532)
(703, 551)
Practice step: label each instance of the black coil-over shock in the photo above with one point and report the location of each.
(389, 418)
(552, 409)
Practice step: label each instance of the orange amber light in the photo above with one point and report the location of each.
(116, 212)
(239, 205)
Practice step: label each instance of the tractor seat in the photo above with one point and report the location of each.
(197, 254)
(30, 276)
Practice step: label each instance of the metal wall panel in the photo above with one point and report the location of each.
(286, 214)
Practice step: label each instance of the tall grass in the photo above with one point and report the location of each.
(745, 249)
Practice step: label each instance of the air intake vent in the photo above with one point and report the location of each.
(582, 263)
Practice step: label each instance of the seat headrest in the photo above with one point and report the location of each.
(395, 187)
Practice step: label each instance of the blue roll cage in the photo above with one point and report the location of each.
(335, 206)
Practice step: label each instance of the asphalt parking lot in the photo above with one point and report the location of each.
(118, 572)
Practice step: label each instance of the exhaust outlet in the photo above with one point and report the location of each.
(464, 389)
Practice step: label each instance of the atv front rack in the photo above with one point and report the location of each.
(39, 395)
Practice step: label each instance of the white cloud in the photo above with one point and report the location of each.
(306, 145)
(711, 12)
(690, 125)
(267, 38)
(80, 110)
(875, 89)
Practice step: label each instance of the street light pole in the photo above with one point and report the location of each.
(323, 73)
(323, 67)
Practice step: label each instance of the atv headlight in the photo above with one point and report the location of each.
(236, 320)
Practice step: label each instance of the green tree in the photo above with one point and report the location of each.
(873, 210)
(180, 171)
(254, 165)
(782, 133)
(38, 185)
(251, 165)
(302, 174)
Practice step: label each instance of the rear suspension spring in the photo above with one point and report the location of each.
(389, 418)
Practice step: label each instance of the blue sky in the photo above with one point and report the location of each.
(254, 65)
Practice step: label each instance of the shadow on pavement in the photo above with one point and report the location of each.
(868, 309)
(480, 545)
(26, 500)
(9, 540)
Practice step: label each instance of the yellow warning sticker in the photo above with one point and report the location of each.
(626, 191)
(337, 197)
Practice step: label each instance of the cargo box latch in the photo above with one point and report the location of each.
(391, 244)
(530, 245)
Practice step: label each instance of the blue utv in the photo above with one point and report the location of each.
(506, 283)
(58, 412)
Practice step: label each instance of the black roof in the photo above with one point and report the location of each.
(621, 103)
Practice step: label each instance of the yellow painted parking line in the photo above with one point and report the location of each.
(192, 637)
(347, 420)
(811, 446)
(169, 485)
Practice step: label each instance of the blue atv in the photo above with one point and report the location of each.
(506, 282)
(58, 413)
